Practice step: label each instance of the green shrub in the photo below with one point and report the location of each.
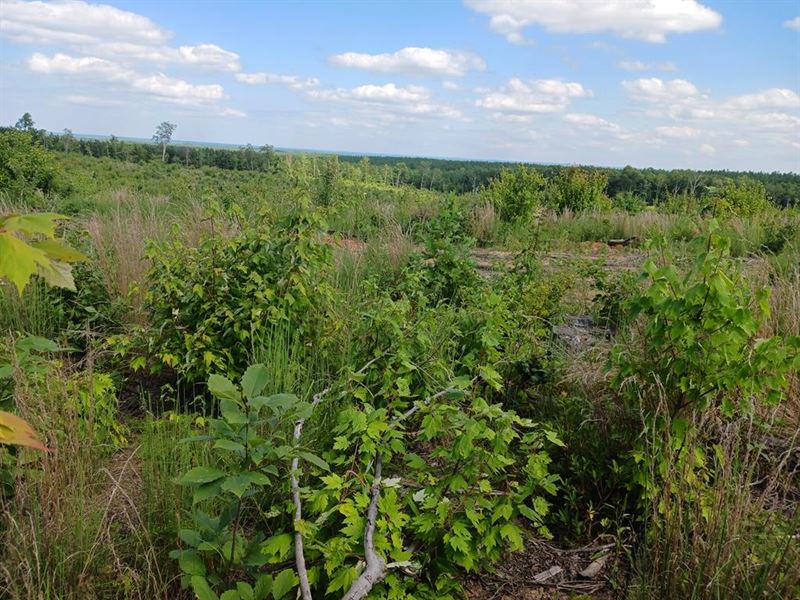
(743, 197)
(209, 303)
(629, 202)
(516, 193)
(25, 166)
(579, 189)
(94, 401)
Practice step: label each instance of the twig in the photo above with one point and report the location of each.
(425, 402)
(376, 568)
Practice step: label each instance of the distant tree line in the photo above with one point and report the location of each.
(653, 186)
(647, 186)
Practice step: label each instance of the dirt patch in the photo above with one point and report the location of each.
(545, 572)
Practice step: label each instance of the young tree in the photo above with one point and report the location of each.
(25, 123)
(68, 139)
(163, 136)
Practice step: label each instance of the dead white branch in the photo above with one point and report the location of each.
(376, 568)
(300, 559)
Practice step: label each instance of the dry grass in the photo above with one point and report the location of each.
(119, 241)
(485, 224)
(723, 521)
(72, 528)
(119, 237)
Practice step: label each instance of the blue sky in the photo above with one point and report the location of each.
(663, 83)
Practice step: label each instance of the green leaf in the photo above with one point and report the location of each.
(245, 590)
(58, 250)
(225, 444)
(553, 438)
(263, 587)
(277, 547)
(202, 590)
(191, 563)
(222, 388)
(206, 491)
(37, 344)
(200, 475)
(314, 460)
(236, 484)
(511, 532)
(191, 537)
(278, 403)
(34, 223)
(231, 413)
(254, 380)
(284, 581)
(18, 261)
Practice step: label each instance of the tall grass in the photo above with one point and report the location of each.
(36, 312)
(734, 536)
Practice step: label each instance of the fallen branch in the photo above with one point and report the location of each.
(376, 568)
(300, 559)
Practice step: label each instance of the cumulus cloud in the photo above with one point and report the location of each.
(654, 89)
(414, 61)
(765, 117)
(395, 100)
(792, 24)
(638, 65)
(105, 31)
(177, 90)
(158, 86)
(771, 98)
(75, 22)
(292, 81)
(775, 120)
(209, 56)
(539, 96)
(63, 64)
(646, 20)
(597, 124)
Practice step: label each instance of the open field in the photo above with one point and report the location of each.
(294, 371)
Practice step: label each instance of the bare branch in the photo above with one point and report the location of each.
(425, 402)
(376, 568)
(300, 559)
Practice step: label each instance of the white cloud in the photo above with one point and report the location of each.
(177, 90)
(679, 132)
(291, 81)
(596, 124)
(415, 61)
(451, 85)
(647, 20)
(75, 22)
(638, 65)
(654, 89)
(209, 56)
(774, 120)
(105, 31)
(540, 96)
(708, 149)
(792, 24)
(771, 98)
(63, 64)
(392, 99)
(232, 112)
(159, 87)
